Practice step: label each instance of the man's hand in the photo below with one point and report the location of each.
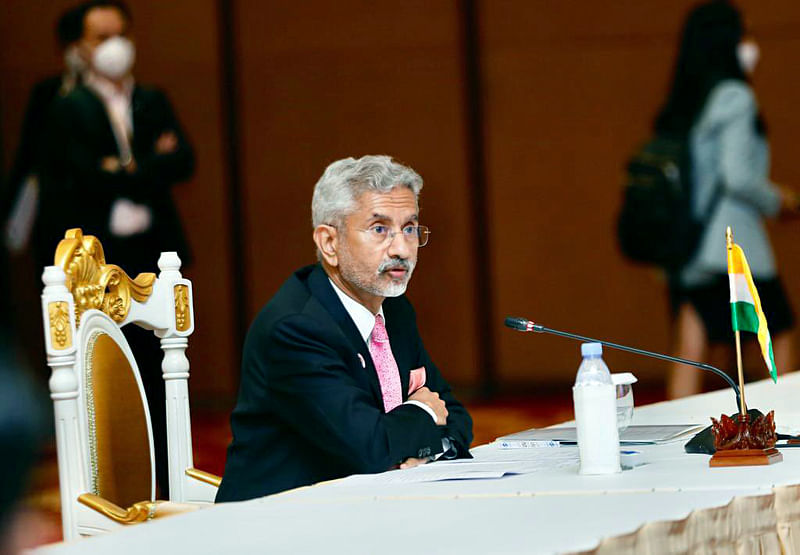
(431, 398)
(411, 462)
(790, 202)
(130, 165)
(110, 164)
(167, 143)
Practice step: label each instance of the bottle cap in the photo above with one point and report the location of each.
(591, 349)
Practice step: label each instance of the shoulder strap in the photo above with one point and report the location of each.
(716, 197)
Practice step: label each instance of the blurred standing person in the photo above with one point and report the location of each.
(19, 205)
(712, 104)
(20, 198)
(114, 151)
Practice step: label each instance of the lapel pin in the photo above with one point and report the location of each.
(363, 362)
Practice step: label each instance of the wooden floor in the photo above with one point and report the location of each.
(40, 520)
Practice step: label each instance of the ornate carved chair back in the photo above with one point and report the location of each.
(95, 284)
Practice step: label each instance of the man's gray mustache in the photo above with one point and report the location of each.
(397, 264)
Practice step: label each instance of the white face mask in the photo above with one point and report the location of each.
(114, 57)
(748, 54)
(73, 62)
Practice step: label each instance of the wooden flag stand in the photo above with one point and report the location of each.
(741, 442)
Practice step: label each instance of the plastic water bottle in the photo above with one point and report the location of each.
(594, 396)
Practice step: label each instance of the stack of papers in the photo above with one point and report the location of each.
(487, 464)
(633, 435)
(504, 458)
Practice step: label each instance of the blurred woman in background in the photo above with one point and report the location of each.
(712, 105)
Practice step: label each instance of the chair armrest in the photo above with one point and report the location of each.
(138, 512)
(203, 476)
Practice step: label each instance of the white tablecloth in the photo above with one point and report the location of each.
(547, 511)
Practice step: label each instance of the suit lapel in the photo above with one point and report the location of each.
(137, 112)
(137, 103)
(322, 289)
(143, 125)
(96, 113)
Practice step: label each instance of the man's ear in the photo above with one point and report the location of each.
(326, 237)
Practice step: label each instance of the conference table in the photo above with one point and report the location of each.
(547, 508)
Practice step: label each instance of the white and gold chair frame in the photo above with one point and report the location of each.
(85, 303)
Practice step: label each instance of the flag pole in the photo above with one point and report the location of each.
(742, 405)
(747, 442)
(742, 410)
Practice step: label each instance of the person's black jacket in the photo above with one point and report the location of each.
(77, 192)
(310, 410)
(42, 96)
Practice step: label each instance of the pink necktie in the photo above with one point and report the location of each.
(385, 365)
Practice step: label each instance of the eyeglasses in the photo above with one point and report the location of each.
(382, 236)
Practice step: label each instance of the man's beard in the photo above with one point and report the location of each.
(396, 288)
(374, 287)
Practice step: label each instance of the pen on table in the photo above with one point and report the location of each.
(533, 443)
(528, 443)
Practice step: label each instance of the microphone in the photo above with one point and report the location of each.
(523, 324)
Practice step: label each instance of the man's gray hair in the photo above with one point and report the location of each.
(344, 181)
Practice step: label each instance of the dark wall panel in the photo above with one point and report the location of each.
(323, 81)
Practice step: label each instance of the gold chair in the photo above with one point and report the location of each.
(104, 437)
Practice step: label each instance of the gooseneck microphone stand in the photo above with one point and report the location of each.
(523, 324)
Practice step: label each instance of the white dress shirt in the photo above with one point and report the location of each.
(365, 322)
(127, 217)
(119, 106)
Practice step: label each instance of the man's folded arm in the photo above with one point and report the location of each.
(163, 169)
(459, 423)
(309, 385)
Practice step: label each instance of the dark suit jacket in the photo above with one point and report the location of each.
(77, 192)
(309, 411)
(34, 123)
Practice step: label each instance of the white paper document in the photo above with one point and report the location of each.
(23, 214)
(633, 435)
(414, 475)
(487, 464)
(540, 458)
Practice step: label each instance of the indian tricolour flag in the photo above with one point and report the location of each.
(746, 312)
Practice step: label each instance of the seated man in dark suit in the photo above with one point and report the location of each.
(335, 378)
